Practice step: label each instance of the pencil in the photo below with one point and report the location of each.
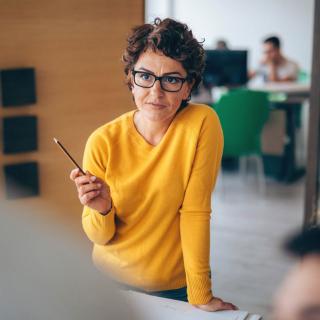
(67, 153)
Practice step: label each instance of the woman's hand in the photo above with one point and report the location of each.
(216, 304)
(93, 192)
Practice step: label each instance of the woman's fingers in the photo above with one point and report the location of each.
(92, 191)
(234, 306)
(217, 304)
(79, 178)
(74, 174)
(86, 198)
(228, 306)
(96, 179)
(82, 180)
(85, 188)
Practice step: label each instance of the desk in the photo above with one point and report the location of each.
(290, 88)
(286, 96)
(148, 307)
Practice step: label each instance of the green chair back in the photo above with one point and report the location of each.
(243, 114)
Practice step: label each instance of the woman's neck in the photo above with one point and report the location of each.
(152, 131)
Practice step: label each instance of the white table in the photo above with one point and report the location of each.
(295, 92)
(148, 307)
(287, 87)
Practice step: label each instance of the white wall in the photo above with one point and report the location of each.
(160, 8)
(245, 23)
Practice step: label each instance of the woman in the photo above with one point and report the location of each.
(151, 172)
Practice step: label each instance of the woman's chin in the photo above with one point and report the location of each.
(156, 115)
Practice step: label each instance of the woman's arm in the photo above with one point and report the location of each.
(98, 219)
(196, 209)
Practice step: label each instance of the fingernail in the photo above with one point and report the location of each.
(93, 178)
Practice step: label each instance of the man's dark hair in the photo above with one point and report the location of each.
(274, 40)
(304, 243)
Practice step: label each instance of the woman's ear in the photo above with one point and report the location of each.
(130, 81)
(189, 87)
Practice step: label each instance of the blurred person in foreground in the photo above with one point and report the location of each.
(151, 172)
(299, 296)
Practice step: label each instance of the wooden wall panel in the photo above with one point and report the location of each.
(75, 47)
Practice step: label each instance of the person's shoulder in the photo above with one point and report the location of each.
(195, 113)
(200, 120)
(291, 63)
(112, 130)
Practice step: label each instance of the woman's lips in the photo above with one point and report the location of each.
(157, 105)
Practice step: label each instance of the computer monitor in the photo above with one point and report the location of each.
(225, 68)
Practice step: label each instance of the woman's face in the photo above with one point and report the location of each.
(156, 104)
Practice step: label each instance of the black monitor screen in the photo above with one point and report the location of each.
(225, 68)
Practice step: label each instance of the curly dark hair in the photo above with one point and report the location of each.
(174, 39)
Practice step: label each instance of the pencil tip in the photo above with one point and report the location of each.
(55, 140)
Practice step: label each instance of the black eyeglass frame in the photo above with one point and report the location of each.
(134, 72)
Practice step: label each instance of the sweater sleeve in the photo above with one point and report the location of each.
(196, 210)
(99, 228)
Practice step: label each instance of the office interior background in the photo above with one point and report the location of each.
(74, 48)
(249, 226)
(245, 24)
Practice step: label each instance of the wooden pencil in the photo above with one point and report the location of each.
(68, 155)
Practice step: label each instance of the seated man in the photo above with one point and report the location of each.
(274, 65)
(299, 296)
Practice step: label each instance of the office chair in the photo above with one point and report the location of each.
(242, 114)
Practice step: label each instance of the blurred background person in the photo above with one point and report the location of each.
(221, 44)
(274, 66)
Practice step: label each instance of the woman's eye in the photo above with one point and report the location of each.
(145, 76)
(172, 80)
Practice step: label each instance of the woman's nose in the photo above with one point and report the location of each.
(156, 88)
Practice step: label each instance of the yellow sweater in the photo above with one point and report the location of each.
(157, 236)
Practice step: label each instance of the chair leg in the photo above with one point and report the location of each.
(260, 174)
(243, 167)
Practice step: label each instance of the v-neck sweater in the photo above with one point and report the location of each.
(157, 234)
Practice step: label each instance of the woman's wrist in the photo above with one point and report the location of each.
(105, 212)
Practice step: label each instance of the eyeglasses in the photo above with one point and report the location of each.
(168, 83)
